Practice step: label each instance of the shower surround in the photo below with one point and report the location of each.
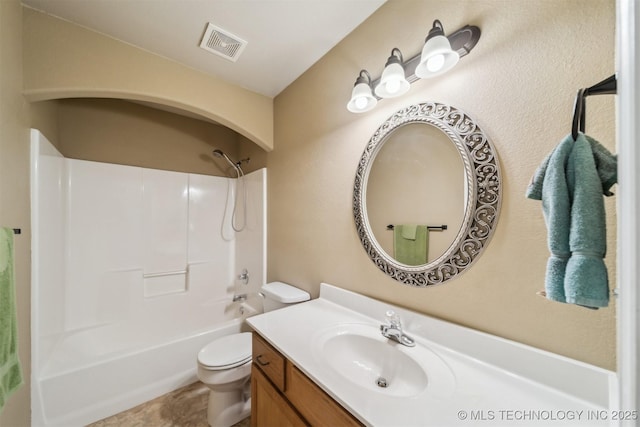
(134, 271)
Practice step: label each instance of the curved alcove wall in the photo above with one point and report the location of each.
(64, 60)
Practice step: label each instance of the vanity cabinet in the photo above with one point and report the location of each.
(268, 406)
(282, 395)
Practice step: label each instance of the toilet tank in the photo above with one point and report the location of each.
(278, 295)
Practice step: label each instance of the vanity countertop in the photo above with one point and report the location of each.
(495, 381)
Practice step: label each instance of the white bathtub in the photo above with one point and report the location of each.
(125, 292)
(99, 372)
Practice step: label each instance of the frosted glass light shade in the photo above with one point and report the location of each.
(393, 82)
(361, 99)
(437, 58)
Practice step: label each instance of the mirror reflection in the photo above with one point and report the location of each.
(415, 194)
(427, 167)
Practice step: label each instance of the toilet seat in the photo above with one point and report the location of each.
(226, 352)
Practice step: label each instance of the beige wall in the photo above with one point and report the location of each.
(519, 84)
(116, 131)
(127, 133)
(44, 117)
(14, 191)
(63, 60)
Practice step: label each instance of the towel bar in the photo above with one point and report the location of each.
(429, 227)
(543, 293)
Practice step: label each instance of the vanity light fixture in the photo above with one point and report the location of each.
(439, 54)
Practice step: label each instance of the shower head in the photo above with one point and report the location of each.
(220, 153)
(240, 176)
(234, 165)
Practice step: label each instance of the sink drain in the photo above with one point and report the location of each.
(382, 382)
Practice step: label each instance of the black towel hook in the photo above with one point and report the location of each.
(607, 86)
(578, 114)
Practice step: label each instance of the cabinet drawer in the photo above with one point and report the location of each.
(269, 360)
(316, 406)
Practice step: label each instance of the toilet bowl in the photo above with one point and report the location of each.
(224, 364)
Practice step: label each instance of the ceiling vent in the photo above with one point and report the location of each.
(223, 43)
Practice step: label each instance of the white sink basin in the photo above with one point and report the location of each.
(360, 354)
(451, 373)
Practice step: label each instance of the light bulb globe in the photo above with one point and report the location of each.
(392, 82)
(362, 99)
(437, 58)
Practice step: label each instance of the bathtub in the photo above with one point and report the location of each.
(98, 372)
(125, 292)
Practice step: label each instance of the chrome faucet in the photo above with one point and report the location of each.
(393, 330)
(240, 297)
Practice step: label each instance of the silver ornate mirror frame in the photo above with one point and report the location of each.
(484, 188)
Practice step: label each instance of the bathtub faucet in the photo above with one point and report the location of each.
(393, 330)
(240, 297)
(244, 276)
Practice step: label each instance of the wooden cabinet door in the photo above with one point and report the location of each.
(268, 407)
(316, 406)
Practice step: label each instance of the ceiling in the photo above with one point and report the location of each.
(284, 37)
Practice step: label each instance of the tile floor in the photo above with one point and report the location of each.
(185, 407)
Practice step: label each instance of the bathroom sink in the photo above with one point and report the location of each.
(360, 354)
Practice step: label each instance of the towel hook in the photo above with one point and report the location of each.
(608, 86)
(578, 114)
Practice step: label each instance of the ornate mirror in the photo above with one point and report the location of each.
(427, 194)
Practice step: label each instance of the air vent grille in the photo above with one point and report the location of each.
(222, 43)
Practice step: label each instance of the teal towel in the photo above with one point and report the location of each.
(413, 249)
(570, 182)
(10, 371)
(606, 164)
(557, 214)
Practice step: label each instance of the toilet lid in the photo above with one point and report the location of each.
(226, 352)
(285, 293)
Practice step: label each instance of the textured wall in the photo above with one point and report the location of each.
(114, 131)
(14, 191)
(519, 84)
(127, 133)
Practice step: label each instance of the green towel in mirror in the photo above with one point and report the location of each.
(414, 248)
(409, 231)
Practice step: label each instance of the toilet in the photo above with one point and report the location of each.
(224, 364)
